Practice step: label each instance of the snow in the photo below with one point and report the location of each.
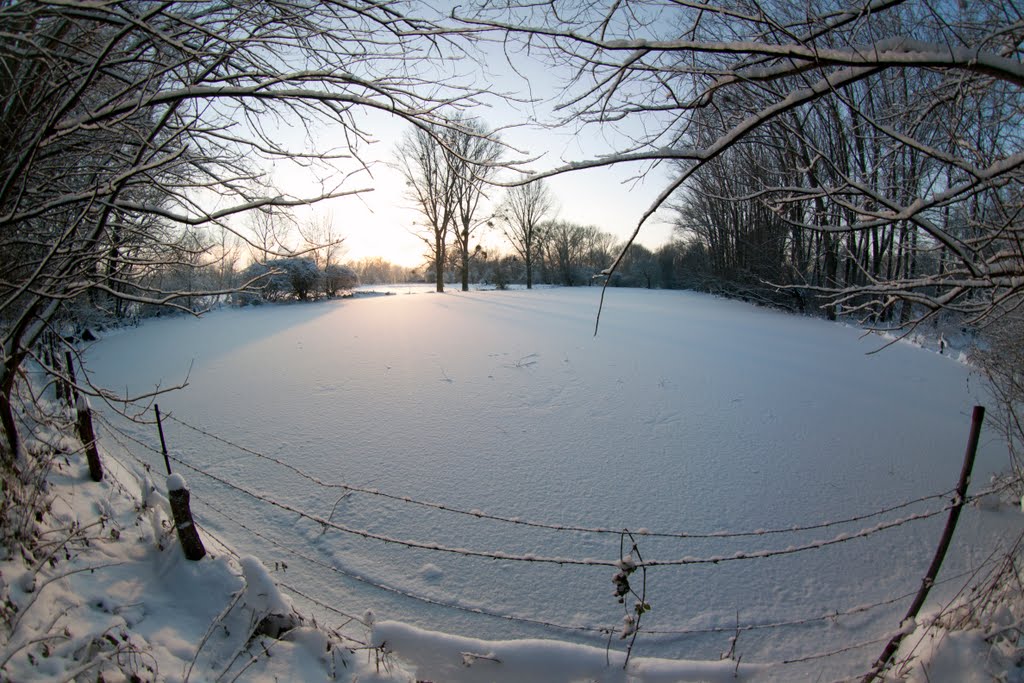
(122, 604)
(176, 482)
(262, 594)
(443, 657)
(955, 658)
(685, 413)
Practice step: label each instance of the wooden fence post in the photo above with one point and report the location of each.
(61, 387)
(88, 436)
(179, 496)
(940, 553)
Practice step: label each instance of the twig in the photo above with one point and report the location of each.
(209, 631)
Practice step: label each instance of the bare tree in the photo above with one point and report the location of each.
(126, 126)
(522, 213)
(747, 243)
(226, 256)
(430, 183)
(638, 269)
(931, 89)
(575, 252)
(447, 169)
(473, 152)
(322, 240)
(268, 225)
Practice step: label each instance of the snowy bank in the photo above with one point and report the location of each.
(106, 594)
(441, 657)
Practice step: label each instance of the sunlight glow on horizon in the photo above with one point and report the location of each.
(381, 222)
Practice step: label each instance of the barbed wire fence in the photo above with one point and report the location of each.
(882, 519)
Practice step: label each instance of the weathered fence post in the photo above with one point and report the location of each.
(940, 553)
(188, 535)
(61, 385)
(88, 436)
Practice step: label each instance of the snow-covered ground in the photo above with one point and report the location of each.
(686, 415)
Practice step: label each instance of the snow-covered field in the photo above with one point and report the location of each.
(686, 415)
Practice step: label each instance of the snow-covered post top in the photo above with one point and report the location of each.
(178, 496)
(88, 436)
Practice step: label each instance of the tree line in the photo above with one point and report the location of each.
(859, 158)
(568, 254)
(451, 172)
(867, 154)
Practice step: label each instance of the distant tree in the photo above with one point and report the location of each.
(446, 170)
(597, 249)
(681, 265)
(473, 151)
(480, 266)
(372, 270)
(189, 274)
(267, 225)
(302, 273)
(337, 277)
(225, 253)
(574, 253)
(430, 184)
(564, 248)
(638, 268)
(499, 274)
(750, 247)
(321, 239)
(522, 214)
(279, 278)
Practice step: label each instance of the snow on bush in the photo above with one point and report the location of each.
(338, 277)
(261, 593)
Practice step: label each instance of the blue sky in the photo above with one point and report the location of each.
(378, 223)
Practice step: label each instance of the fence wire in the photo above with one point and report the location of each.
(479, 514)
(121, 437)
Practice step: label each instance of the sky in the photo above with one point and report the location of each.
(382, 222)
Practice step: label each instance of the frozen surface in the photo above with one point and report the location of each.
(685, 414)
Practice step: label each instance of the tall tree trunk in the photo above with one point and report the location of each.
(911, 271)
(831, 271)
(7, 421)
(439, 265)
(464, 247)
